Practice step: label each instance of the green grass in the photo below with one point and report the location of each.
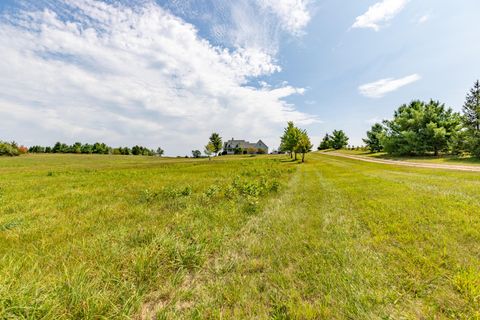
(442, 159)
(91, 236)
(235, 238)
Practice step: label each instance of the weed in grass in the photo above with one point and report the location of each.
(212, 191)
(9, 225)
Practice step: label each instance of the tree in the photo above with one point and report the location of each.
(374, 136)
(326, 143)
(419, 128)
(76, 147)
(304, 145)
(339, 139)
(160, 152)
(196, 153)
(471, 109)
(289, 139)
(87, 148)
(216, 143)
(209, 150)
(8, 149)
(136, 150)
(471, 119)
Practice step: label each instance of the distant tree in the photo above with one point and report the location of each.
(209, 150)
(374, 136)
(216, 142)
(87, 148)
(304, 145)
(160, 152)
(37, 149)
(22, 149)
(196, 153)
(326, 142)
(76, 147)
(57, 148)
(8, 149)
(339, 139)
(100, 148)
(471, 119)
(136, 150)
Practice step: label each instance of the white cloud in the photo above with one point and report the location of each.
(379, 14)
(424, 18)
(381, 87)
(248, 23)
(128, 75)
(293, 14)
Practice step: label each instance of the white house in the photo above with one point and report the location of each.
(244, 147)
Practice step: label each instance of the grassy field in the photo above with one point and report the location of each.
(236, 237)
(442, 159)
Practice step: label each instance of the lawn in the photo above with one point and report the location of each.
(235, 238)
(442, 159)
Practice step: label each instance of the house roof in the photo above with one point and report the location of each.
(233, 143)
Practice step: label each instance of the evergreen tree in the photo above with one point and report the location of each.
(471, 109)
(374, 136)
(326, 142)
(339, 139)
(471, 119)
(420, 128)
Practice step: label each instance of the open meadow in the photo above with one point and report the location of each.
(85, 236)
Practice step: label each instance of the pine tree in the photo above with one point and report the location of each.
(471, 109)
(471, 119)
(326, 142)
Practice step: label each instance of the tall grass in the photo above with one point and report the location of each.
(93, 236)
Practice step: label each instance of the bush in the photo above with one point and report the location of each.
(8, 149)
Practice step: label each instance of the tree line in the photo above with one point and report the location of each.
(12, 149)
(422, 128)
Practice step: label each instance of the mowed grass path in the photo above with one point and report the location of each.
(339, 239)
(351, 240)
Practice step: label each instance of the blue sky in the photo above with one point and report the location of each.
(168, 73)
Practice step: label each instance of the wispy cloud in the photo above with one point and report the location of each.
(381, 87)
(129, 75)
(248, 23)
(294, 15)
(424, 18)
(379, 14)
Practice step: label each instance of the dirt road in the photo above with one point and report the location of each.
(406, 163)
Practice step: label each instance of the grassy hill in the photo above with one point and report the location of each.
(236, 237)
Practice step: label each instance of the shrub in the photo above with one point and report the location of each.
(8, 149)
